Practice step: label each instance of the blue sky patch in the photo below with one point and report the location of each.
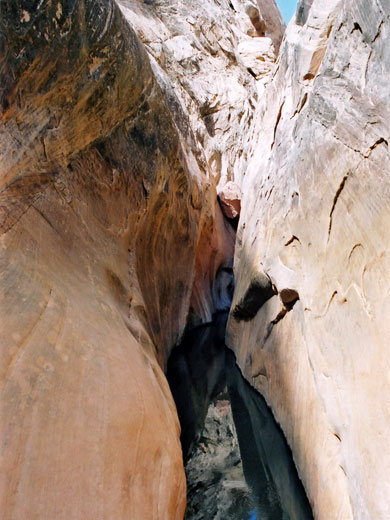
(287, 8)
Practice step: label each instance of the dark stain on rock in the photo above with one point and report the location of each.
(116, 286)
(259, 291)
(302, 12)
(289, 296)
(143, 138)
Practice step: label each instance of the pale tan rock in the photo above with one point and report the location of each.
(204, 50)
(315, 218)
(258, 55)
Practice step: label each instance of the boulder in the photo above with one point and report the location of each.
(230, 199)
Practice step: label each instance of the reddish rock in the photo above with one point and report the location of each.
(230, 199)
(289, 296)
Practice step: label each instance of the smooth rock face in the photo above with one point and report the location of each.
(315, 218)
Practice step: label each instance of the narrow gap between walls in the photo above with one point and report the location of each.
(237, 461)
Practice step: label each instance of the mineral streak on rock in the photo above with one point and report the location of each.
(315, 217)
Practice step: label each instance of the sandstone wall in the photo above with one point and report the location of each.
(203, 50)
(316, 221)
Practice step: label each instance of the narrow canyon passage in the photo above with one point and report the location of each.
(122, 123)
(238, 464)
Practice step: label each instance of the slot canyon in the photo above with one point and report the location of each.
(194, 260)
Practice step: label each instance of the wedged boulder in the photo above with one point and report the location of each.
(230, 199)
(260, 290)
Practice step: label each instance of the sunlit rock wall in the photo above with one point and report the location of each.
(215, 55)
(316, 220)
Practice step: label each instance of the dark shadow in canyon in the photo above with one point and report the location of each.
(217, 407)
(196, 375)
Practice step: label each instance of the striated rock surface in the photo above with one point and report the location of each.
(206, 49)
(96, 198)
(315, 220)
(195, 52)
